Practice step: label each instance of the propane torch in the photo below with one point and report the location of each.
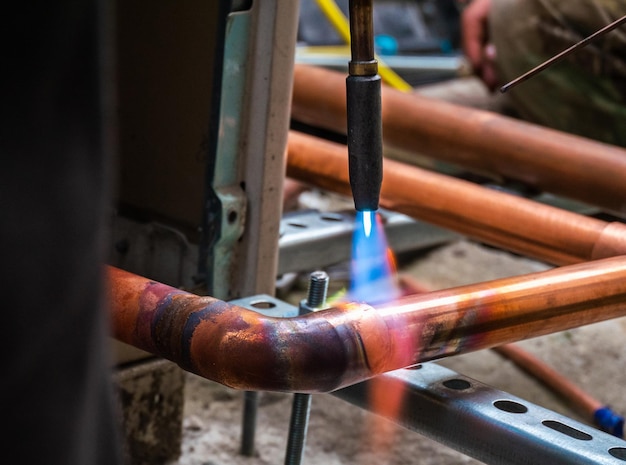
(363, 93)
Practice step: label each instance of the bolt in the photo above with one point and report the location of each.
(318, 286)
(316, 299)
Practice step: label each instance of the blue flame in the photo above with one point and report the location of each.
(373, 274)
(367, 222)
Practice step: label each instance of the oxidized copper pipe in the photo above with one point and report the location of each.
(480, 141)
(336, 347)
(514, 223)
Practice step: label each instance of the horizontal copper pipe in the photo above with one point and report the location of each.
(575, 395)
(513, 223)
(336, 347)
(481, 141)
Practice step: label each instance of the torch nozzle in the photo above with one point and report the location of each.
(365, 140)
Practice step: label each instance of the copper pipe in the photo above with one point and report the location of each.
(497, 218)
(332, 348)
(559, 384)
(480, 141)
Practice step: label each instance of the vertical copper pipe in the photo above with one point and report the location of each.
(480, 141)
(504, 220)
(326, 350)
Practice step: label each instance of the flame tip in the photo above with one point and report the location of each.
(373, 262)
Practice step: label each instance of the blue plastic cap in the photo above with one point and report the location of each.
(386, 44)
(609, 421)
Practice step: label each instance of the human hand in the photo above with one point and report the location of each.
(475, 41)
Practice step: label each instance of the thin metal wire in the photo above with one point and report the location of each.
(563, 54)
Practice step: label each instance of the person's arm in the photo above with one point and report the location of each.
(475, 41)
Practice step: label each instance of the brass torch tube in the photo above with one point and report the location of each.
(480, 141)
(339, 346)
(361, 30)
(504, 220)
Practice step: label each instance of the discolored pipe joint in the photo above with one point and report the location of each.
(340, 346)
(241, 348)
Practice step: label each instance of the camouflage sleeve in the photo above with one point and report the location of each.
(584, 94)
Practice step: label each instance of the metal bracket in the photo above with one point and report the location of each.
(312, 239)
(485, 423)
(267, 305)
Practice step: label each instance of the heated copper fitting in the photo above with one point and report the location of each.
(339, 346)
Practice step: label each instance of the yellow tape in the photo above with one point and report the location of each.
(341, 24)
